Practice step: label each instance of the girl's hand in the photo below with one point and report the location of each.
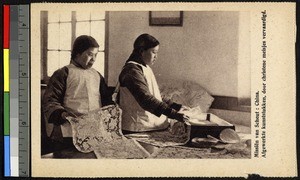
(114, 97)
(64, 115)
(67, 115)
(186, 119)
(184, 108)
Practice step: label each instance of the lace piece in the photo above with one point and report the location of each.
(177, 134)
(229, 151)
(100, 131)
(122, 149)
(180, 153)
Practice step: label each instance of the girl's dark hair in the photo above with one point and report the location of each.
(82, 43)
(142, 43)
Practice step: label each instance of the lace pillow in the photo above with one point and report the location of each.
(186, 93)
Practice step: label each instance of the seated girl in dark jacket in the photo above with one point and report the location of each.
(75, 89)
(143, 107)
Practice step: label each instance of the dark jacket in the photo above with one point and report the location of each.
(133, 79)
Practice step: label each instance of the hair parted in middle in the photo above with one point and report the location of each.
(83, 43)
(142, 43)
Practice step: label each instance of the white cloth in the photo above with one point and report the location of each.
(135, 118)
(200, 119)
(82, 93)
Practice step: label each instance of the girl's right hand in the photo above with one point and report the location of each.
(184, 109)
(186, 118)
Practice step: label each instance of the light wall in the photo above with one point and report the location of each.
(204, 50)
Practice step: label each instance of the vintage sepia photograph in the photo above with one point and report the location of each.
(180, 91)
(159, 88)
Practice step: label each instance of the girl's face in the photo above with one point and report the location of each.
(87, 58)
(149, 56)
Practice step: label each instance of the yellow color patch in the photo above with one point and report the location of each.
(6, 69)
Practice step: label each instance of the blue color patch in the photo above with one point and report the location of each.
(7, 156)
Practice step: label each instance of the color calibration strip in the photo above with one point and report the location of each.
(16, 90)
(6, 32)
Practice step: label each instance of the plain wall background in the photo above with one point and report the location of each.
(211, 48)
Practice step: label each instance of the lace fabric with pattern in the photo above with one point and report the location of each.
(100, 131)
